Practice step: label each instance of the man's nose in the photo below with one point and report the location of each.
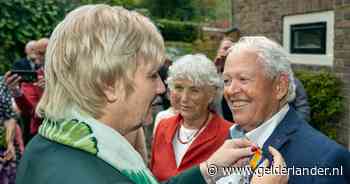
(232, 88)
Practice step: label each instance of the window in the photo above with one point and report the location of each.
(308, 38)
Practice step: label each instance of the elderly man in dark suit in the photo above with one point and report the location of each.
(259, 83)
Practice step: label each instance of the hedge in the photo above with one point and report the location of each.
(325, 99)
(177, 30)
(24, 20)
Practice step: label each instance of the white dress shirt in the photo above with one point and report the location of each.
(259, 136)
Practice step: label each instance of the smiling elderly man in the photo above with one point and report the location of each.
(258, 86)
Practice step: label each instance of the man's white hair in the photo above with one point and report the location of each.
(271, 55)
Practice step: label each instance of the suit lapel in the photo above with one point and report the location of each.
(283, 131)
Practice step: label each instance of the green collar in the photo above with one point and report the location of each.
(86, 133)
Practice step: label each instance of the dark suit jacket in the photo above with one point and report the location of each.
(303, 146)
(47, 162)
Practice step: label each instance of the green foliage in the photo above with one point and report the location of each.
(190, 10)
(213, 11)
(124, 3)
(24, 20)
(177, 30)
(174, 50)
(326, 101)
(183, 10)
(207, 46)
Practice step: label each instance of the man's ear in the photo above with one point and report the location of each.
(282, 85)
(114, 93)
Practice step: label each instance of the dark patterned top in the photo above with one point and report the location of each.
(6, 111)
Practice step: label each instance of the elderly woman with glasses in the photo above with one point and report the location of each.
(192, 135)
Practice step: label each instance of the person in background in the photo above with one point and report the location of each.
(28, 94)
(301, 102)
(221, 105)
(196, 132)
(40, 50)
(221, 54)
(9, 150)
(27, 63)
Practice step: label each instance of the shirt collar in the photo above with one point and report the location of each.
(260, 134)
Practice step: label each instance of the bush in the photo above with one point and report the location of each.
(24, 20)
(324, 92)
(177, 30)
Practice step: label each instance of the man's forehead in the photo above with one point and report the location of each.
(244, 61)
(246, 54)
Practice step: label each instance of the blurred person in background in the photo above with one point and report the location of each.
(28, 94)
(9, 148)
(27, 63)
(221, 105)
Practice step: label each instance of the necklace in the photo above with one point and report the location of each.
(193, 135)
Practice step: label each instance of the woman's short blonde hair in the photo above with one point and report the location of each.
(96, 46)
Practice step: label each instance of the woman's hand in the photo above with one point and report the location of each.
(41, 82)
(276, 178)
(12, 82)
(231, 153)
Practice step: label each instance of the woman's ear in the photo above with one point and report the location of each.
(113, 93)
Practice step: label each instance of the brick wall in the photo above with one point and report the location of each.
(265, 17)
